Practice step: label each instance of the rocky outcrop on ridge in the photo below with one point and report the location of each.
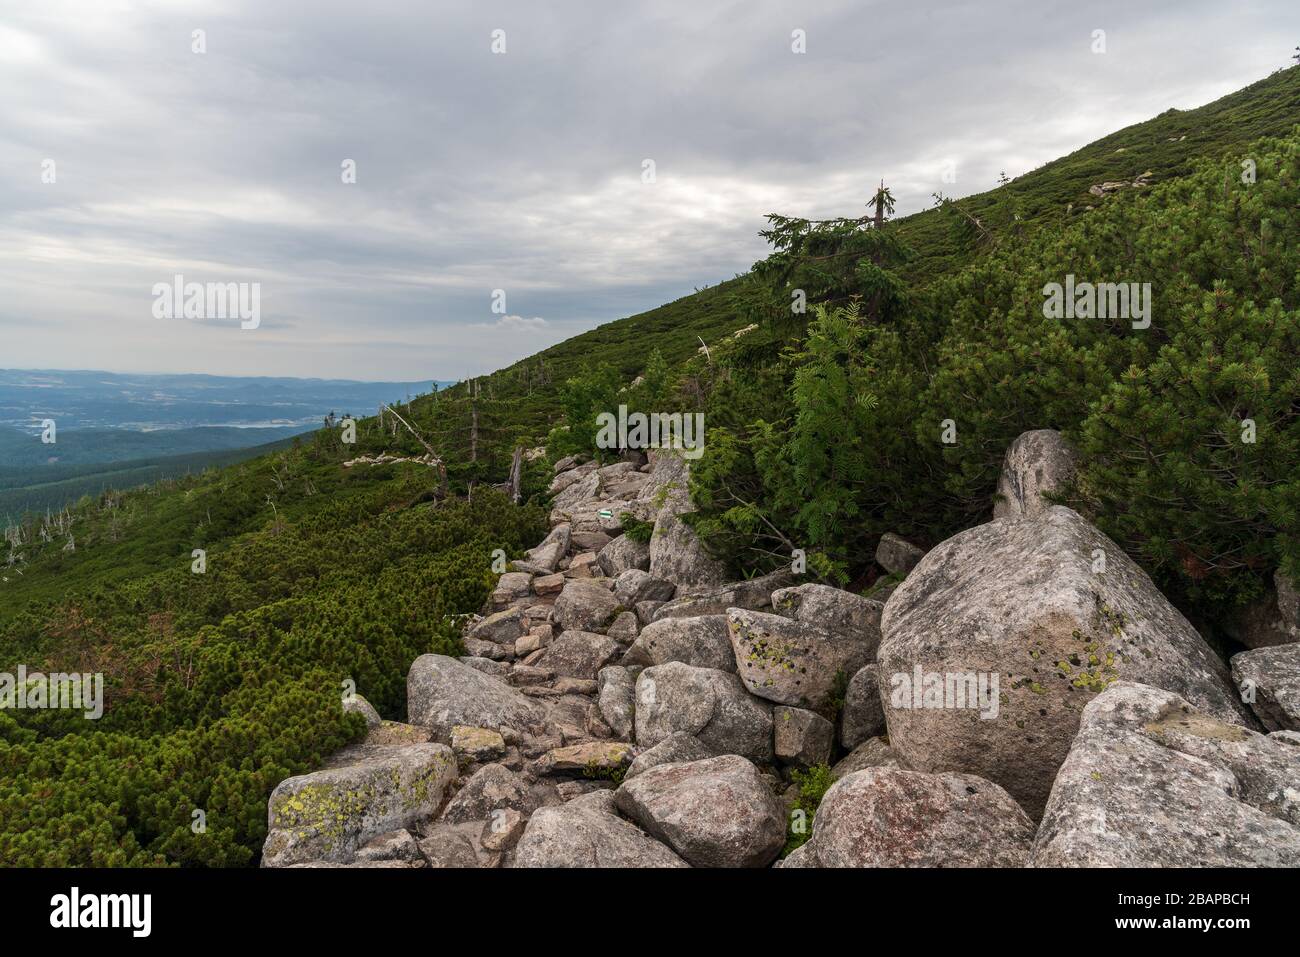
(1018, 695)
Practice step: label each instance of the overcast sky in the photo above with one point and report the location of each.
(520, 171)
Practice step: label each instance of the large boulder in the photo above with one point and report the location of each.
(996, 641)
(441, 693)
(581, 835)
(585, 606)
(577, 492)
(701, 642)
(328, 815)
(622, 554)
(718, 812)
(753, 593)
(1036, 463)
(501, 627)
(1269, 680)
(889, 817)
(579, 654)
(634, 586)
(712, 705)
(676, 553)
(491, 788)
(793, 662)
(1150, 781)
(834, 610)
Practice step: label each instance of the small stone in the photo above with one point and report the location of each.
(802, 737)
(549, 584)
(476, 744)
(502, 830)
(897, 555)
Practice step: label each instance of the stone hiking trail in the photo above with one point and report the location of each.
(622, 705)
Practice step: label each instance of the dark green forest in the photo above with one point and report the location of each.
(826, 428)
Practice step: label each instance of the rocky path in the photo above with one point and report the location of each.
(1016, 701)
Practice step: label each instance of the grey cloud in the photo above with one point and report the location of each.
(521, 171)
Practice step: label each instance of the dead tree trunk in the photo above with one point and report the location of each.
(517, 474)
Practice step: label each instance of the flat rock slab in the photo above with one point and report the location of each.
(592, 758)
(1150, 781)
(328, 815)
(677, 748)
(888, 817)
(754, 593)
(718, 812)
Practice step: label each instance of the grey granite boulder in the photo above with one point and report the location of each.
(579, 654)
(441, 693)
(718, 812)
(634, 585)
(863, 715)
(701, 642)
(712, 705)
(622, 554)
(678, 747)
(1150, 781)
(580, 835)
(488, 789)
(834, 610)
(1269, 681)
(617, 700)
(889, 817)
(802, 738)
(1036, 463)
(896, 554)
(328, 815)
(998, 639)
(793, 662)
(585, 606)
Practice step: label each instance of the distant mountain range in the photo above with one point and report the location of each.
(117, 431)
(143, 403)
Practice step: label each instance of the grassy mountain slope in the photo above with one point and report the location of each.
(1166, 146)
